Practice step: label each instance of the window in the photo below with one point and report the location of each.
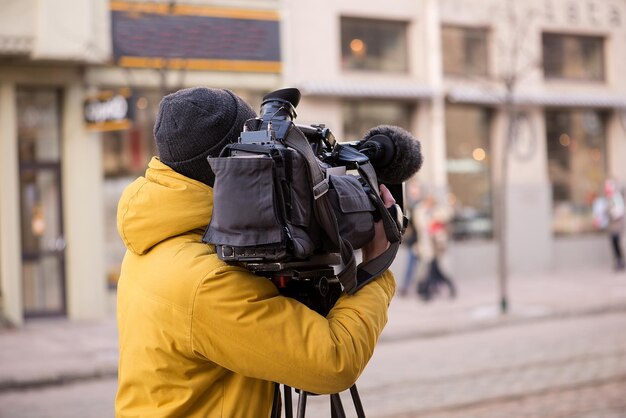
(374, 45)
(576, 165)
(42, 238)
(573, 57)
(464, 51)
(359, 117)
(468, 167)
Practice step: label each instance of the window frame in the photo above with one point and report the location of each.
(406, 25)
(355, 104)
(490, 113)
(488, 53)
(603, 49)
(604, 116)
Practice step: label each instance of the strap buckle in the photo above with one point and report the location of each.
(321, 188)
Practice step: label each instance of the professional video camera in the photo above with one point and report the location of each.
(288, 206)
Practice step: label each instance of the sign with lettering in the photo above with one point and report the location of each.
(585, 12)
(108, 110)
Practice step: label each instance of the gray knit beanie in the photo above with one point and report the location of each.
(193, 124)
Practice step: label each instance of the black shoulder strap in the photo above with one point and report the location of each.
(351, 277)
(322, 207)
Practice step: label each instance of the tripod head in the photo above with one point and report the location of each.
(315, 286)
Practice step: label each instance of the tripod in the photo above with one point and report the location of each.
(318, 288)
(336, 406)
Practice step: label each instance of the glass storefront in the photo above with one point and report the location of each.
(468, 164)
(360, 116)
(576, 141)
(43, 244)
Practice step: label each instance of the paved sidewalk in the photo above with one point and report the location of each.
(54, 351)
(47, 352)
(530, 298)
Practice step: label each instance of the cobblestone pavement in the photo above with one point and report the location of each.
(567, 368)
(604, 400)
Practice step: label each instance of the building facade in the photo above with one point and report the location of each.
(78, 101)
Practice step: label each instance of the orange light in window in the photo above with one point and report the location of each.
(142, 103)
(479, 154)
(358, 47)
(596, 155)
(38, 221)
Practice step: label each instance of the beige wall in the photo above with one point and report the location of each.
(72, 30)
(10, 244)
(65, 30)
(17, 26)
(83, 216)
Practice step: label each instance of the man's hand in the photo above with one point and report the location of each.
(379, 243)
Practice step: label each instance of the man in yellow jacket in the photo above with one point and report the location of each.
(203, 338)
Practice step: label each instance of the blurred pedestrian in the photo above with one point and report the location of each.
(410, 238)
(433, 220)
(409, 241)
(608, 214)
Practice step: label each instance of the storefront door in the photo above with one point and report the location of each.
(43, 245)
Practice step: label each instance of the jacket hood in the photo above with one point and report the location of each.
(161, 205)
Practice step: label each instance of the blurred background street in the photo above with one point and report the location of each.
(520, 109)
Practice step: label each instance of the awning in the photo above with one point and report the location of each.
(603, 99)
(404, 91)
(606, 100)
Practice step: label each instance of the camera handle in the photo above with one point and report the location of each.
(336, 406)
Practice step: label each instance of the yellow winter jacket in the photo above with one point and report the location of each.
(202, 338)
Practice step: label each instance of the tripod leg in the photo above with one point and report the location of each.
(276, 402)
(288, 406)
(336, 407)
(360, 413)
(302, 404)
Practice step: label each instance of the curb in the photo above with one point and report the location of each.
(500, 323)
(10, 385)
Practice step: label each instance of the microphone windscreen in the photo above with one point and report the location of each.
(407, 156)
